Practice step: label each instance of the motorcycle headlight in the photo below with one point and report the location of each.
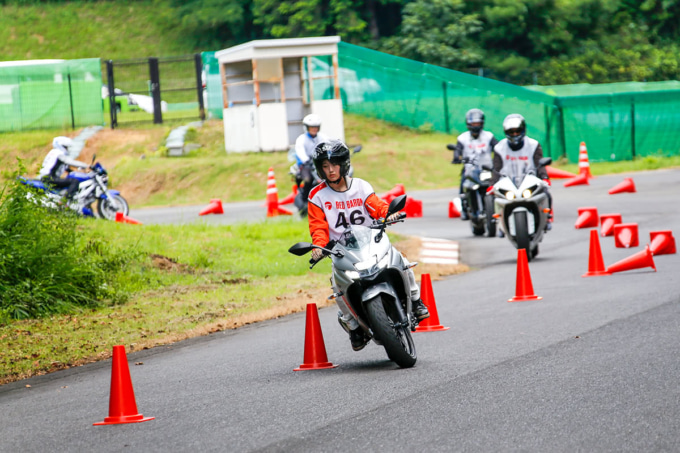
(354, 275)
(510, 195)
(485, 175)
(475, 187)
(527, 193)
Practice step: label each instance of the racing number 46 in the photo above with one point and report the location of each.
(355, 218)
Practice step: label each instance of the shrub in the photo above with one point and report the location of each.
(46, 266)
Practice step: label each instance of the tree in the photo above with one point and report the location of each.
(437, 32)
(216, 23)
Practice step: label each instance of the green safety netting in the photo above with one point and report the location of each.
(618, 121)
(53, 94)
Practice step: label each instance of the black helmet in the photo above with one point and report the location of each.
(515, 121)
(474, 116)
(334, 151)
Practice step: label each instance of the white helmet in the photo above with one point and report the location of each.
(62, 143)
(311, 120)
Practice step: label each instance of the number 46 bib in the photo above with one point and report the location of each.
(343, 208)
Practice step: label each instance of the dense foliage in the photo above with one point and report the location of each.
(46, 266)
(521, 41)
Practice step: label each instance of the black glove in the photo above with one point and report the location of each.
(457, 160)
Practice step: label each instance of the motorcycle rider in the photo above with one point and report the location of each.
(304, 150)
(518, 154)
(476, 142)
(56, 163)
(335, 204)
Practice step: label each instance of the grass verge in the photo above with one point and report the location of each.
(187, 281)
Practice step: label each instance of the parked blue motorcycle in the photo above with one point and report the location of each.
(92, 188)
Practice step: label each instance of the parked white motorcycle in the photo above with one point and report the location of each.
(523, 206)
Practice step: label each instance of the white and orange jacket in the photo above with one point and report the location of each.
(331, 213)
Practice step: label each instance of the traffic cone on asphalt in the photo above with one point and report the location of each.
(637, 261)
(393, 193)
(453, 211)
(577, 181)
(607, 222)
(273, 208)
(626, 235)
(583, 163)
(587, 218)
(662, 243)
(315, 348)
(627, 185)
(556, 173)
(122, 404)
(215, 207)
(122, 218)
(595, 261)
(290, 198)
(413, 207)
(524, 289)
(430, 324)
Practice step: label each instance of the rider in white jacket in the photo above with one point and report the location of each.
(304, 151)
(56, 163)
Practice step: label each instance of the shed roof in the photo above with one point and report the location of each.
(279, 48)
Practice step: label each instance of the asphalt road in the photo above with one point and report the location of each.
(593, 366)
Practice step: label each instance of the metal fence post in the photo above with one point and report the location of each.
(198, 63)
(155, 90)
(70, 99)
(446, 108)
(112, 94)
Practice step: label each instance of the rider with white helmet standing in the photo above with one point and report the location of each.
(304, 150)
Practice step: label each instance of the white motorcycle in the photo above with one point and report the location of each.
(523, 206)
(370, 275)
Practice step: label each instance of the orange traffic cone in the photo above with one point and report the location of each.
(430, 324)
(122, 404)
(122, 218)
(273, 208)
(626, 235)
(315, 348)
(215, 207)
(595, 261)
(636, 261)
(393, 193)
(577, 181)
(556, 173)
(662, 243)
(587, 218)
(413, 207)
(453, 211)
(607, 222)
(290, 198)
(627, 185)
(524, 290)
(583, 163)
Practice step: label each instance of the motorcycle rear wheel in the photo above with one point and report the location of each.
(106, 210)
(522, 233)
(490, 221)
(397, 341)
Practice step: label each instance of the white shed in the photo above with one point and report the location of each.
(268, 86)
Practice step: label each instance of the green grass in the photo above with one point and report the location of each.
(107, 30)
(186, 281)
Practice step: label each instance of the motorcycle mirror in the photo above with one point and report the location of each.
(301, 248)
(357, 149)
(94, 156)
(451, 146)
(396, 205)
(487, 167)
(545, 161)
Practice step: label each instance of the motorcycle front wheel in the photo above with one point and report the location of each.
(490, 221)
(107, 210)
(522, 233)
(397, 341)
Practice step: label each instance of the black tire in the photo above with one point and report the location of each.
(398, 342)
(106, 210)
(534, 252)
(490, 221)
(522, 233)
(477, 230)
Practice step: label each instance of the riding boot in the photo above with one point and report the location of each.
(420, 311)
